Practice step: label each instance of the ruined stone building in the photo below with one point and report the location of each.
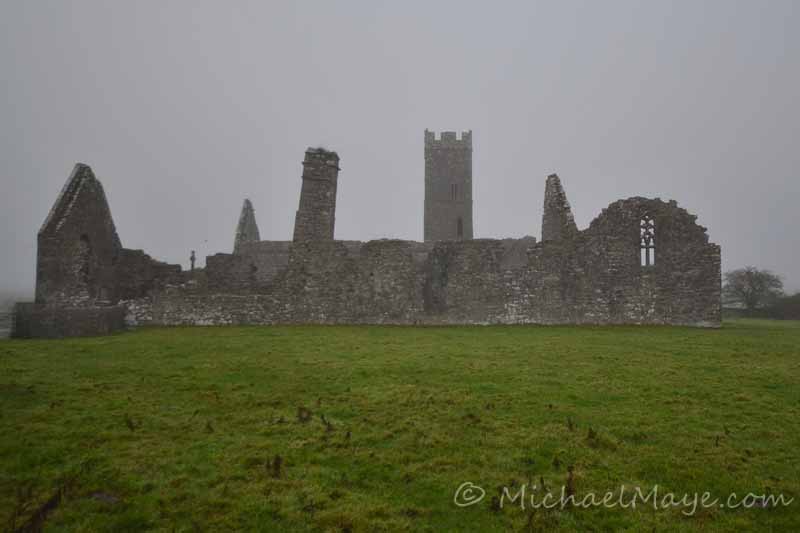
(641, 261)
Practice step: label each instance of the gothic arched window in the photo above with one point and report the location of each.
(647, 236)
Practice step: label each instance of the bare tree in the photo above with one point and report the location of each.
(751, 288)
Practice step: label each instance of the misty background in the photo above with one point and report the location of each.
(184, 108)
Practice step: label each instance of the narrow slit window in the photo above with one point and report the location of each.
(647, 235)
(85, 258)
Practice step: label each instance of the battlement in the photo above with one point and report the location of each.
(317, 156)
(448, 139)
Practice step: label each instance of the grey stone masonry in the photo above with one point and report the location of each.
(78, 245)
(557, 220)
(640, 261)
(81, 265)
(448, 186)
(247, 229)
(5, 323)
(33, 320)
(316, 214)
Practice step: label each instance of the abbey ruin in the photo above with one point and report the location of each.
(641, 261)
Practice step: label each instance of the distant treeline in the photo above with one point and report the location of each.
(783, 308)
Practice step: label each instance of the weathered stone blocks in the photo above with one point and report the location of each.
(316, 214)
(87, 283)
(448, 186)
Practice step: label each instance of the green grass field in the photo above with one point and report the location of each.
(374, 428)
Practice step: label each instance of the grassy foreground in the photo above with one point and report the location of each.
(374, 428)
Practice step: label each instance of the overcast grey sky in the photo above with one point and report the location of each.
(184, 108)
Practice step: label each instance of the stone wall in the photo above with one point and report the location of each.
(254, 265)
(33, 320)
(595, 277)
(137, 275)
(6, 317)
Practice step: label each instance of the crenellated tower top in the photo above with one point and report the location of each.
(448, 140)
(448, 186)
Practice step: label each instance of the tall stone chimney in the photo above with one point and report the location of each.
(317, 212)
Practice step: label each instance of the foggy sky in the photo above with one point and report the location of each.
(184, 108)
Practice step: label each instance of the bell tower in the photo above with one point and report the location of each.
(448, 186)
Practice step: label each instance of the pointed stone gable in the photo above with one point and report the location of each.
(81, 206)
(557, 220)
(247, 229)
(78, 244)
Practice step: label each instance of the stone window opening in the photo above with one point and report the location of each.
(84, 258)
(460, 229)
(647, 237)
(454, 191)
